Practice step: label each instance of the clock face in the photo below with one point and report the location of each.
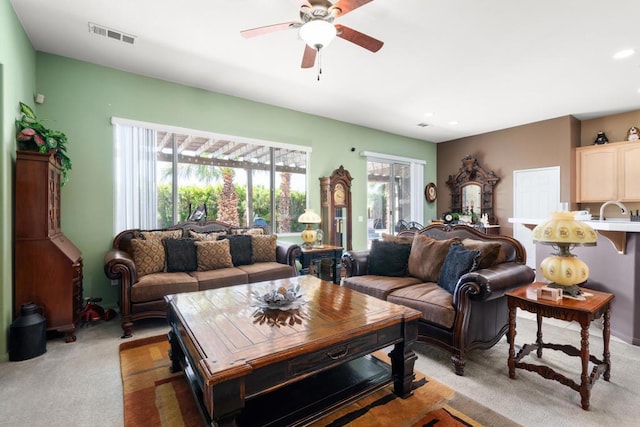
(430, 192)
(339, 195)
(447, 218)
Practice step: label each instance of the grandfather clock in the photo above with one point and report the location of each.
(335, 195)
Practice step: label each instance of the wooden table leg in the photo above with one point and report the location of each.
(539, 335)
(511, 361)
(606, 334)
(402, 361)
(585, 389)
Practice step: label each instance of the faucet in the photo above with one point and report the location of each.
(623, 208)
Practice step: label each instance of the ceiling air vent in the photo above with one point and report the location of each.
(103, 31)
(423, 124)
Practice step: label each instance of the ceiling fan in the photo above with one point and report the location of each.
(317, 28)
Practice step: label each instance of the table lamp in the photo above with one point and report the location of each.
(563, 269)
(309, 234)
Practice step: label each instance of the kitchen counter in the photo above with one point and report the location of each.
(606, 225)
(615, 230)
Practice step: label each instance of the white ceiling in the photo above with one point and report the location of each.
(487, 64)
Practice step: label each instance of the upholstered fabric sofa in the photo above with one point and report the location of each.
(455, 275)
(188, 257)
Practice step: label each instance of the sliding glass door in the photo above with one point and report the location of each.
(389, 201)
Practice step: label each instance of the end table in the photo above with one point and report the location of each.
(595, 306)
(334, 253)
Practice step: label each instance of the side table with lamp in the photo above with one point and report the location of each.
(571, 303)
(314, 251)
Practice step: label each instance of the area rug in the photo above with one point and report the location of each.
(155, 396)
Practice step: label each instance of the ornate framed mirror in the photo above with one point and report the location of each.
(472, 190)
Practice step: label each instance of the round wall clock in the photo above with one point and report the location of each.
(430, 192)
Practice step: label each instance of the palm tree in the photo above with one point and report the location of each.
(228, 201)
(284, 203)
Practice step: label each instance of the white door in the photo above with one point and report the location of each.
(536, 193)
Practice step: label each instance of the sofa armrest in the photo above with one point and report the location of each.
(355, 263)
(287, 253)
(493, 282)
(118, 265)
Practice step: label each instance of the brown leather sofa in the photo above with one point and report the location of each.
(474, 313)
(142, 292)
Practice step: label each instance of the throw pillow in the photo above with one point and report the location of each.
(397, 239)
(489, 251)
(213, 254)
(161, 234)
(264, 248)
(207, 236)
(181, 255)
(148, 256)
(427, 256)
(240, 247)
(388, 258)
(255, 231)
(459, 261)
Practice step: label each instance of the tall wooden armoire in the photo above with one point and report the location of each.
(47, 265)
(335, 198)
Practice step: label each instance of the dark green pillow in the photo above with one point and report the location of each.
(241, 248)
(458, 262)
(388, 258)
(181, 255)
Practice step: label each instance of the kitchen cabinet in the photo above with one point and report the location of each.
(608, 172)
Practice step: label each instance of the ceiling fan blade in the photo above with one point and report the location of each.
(308, 57)
(253, 32)
(359, 38)
(347, 6)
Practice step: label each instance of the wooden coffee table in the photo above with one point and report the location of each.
(249, 367)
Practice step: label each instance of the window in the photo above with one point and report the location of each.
(163, 174)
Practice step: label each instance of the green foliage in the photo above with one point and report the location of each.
(32, 135)
(209, 194)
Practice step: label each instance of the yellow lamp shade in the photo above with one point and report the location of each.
(564, 270)
(563, 228)
(309, 217)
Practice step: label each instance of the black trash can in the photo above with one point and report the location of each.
(28, 334)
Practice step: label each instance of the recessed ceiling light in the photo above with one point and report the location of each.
(454, 123)
(428, 114)
(624, 54)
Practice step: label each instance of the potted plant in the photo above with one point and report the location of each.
(32, 135)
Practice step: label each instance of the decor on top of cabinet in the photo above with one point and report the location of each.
(472, 191)
(601, 138)
(32, 135)
(633, 134)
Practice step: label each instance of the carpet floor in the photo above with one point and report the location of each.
(155, 396)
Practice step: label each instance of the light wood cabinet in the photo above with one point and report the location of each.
(47, 265)
(608, 172)
(629, 167)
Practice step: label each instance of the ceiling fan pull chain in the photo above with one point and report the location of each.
(319, 63)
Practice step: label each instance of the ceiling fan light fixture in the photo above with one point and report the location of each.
(318, 33)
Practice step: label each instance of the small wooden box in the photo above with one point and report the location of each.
(553, 294)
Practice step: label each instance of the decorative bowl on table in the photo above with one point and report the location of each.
(280, 299)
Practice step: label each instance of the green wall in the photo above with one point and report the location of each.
(17, 83)
(81, 98)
